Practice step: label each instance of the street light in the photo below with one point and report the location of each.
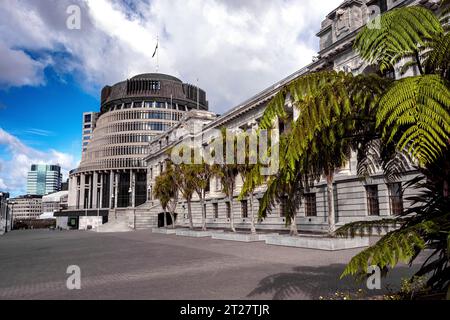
(12, 213)
(6, 212)
(130, 204)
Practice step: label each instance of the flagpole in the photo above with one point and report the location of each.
(157, 53)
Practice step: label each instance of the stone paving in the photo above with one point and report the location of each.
(145, 265)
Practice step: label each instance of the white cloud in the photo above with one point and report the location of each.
(236, 48)
(18, 159)
(18, 69)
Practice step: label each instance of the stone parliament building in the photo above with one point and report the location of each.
(142, 118)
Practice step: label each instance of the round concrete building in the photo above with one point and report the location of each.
(112, 173)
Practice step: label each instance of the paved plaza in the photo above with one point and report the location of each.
(142, 265)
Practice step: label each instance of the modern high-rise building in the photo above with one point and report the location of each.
(44, 179)
(89, 121)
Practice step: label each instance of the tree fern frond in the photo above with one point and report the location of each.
(402, 31)
(397, 246)
(415, 111)
(361, 228)
(274, 109)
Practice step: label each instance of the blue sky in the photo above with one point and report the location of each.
(49, 115)
(50, 75)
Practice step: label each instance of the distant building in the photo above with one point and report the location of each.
(4, 196)
(65, 185)
(44, 179)
(52, 203)
(89, 122)
(3, 211)
(25, 207)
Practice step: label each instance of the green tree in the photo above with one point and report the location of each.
(185, 183)
(250, 179)
(330, 107)
(413, 120)
(228, 172)
(202, 174)
(166, 191)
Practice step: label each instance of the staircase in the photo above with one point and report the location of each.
(118, 225)
(147, 216)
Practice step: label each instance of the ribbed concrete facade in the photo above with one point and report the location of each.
(112, 173)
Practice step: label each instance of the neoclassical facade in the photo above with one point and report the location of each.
(355, 199)
(112, 174)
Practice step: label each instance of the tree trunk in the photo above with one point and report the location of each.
(330, 198)
(202, 203)
(165, 218)
(252, 214)
(231, 215)
(191, 223)
(294, 230)
(172, 216)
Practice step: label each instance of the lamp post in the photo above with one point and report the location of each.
(130, 204)
(12, 214)
(4, 209)
(149, 193)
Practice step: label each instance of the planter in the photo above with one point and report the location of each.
(163, 231)
(323, 243)
(241, 237)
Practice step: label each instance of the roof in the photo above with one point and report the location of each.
(55, 197)
(156, 76)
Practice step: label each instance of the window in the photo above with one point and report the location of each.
(228, 206)
(310, 205)
(283, 207)
(216, 210)
(396, 198)
(218, 185)
(148, 104)
(244, 208)
(373, 204)
(87, 126)
(282, 127)
(87, 118)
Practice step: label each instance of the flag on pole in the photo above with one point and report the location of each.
(156, 48)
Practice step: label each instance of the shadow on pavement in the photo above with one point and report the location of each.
(323, 281)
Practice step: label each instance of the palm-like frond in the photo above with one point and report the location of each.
(397, 246)
(437, 57)
(367, 227)
(415, 113)
(401, 33)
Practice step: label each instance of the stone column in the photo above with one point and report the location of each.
(111, 189)
(89, 201)
(116, 193)
(95, 190)
(100, 204)
(133, 188)
(82, 190)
